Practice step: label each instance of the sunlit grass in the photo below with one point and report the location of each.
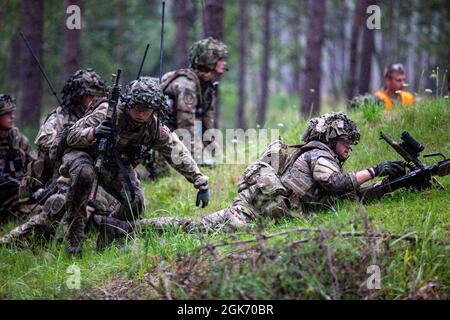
(41, 271)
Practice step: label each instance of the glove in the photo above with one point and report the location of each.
(389, 168)
(203, 196)
(103, 130)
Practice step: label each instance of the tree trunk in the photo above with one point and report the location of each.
(296, 30)
(214, 11)
(243, 36)
(72, 48)
(181, 19)
(213, 15)
(14, 65)
(310, 93)
(30, 76)
(448, 68)
(360, 10)
(122, 49)
(265, 68)
(368, 49)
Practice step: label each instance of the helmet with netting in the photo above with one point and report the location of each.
(81, 83)
(331, 126)
(204, 54)
(7, 104)
(147, 93)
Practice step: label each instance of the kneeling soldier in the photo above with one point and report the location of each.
(136, 125)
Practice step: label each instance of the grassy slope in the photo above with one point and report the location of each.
(40, 271)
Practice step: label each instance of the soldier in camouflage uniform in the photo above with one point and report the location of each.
(15, 154)
(192, 93)
(137, 125)
(283, 184)
(82, 93)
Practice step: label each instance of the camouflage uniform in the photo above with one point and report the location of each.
(282, 184)
(44, 170)
(117, 175)
(15, 154)
(192, 101)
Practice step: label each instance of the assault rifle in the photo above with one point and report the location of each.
(106, 145)
(419, 175)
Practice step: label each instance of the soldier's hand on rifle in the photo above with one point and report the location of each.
(392, 169)
(103, 130)
(203, 196)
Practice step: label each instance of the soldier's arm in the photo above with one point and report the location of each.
(186, 101)
(179, 157)
(80, 135)
(48, 132)
(328, 174)
(25, 147)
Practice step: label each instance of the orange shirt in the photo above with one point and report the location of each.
(407, 98)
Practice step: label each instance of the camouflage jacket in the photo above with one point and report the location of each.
(310, 180)
(43, 169)
(56, 121)
(15, 153)
(316, 178)
(189, 99)
(131, 136)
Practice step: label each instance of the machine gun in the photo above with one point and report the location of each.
(419, 175)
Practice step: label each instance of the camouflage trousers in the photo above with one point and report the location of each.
(261, 195)
(50, 218)
(11, 208)
(79, 166)
(237, 215)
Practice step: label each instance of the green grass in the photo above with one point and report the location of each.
(151, 259)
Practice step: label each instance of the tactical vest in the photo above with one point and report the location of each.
(260, 184)
(205, 95)
(406, 98)
(269, 184)
(304, 191)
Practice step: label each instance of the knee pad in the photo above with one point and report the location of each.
(54, 205)
(85, 175)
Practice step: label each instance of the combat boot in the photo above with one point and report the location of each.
(74, 248)
(75, 243)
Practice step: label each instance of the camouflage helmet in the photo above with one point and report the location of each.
(82, 82)
(7, 104)
(145, 92)
(330, 126)
(205, 53)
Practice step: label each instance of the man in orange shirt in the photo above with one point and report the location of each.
(392, 93)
